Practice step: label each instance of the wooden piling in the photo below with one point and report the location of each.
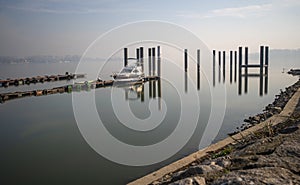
(158, 51)
(158, 62)
(246, 61)
(153, 62)
(235, 65)
(246, 69)
(198, 69)
(261, 59)
(230, 70)
(125, 57)
(224, 56)
(137, 53)
(214, 58)
(141, 52)
(219, 58)
(261, 70)
(266, 59)
(153, 52)
(149, 62)
(185, 60)
(240, 70)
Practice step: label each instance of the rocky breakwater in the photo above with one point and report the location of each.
(272, 109)
(270, 155)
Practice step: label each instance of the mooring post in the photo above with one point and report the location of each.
(125, 56)
(266, 59)
(214, 58)
(224, 55)
(240, 70)
(266, 68)
(219, 59)
(230, 59)
(185, 60)
(261, 70)
(142, 58)
(198, 69)
(246, 69)
(153, 61)
(149, 61)
(141, 52)
(261, 59)
(158, 61)
(235, 65)
(137, 53)
(150, 70)
(159, 80)
(214, 67)
(240, 60)
(246, 60)
(153, 52)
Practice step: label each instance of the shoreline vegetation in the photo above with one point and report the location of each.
(265, 150)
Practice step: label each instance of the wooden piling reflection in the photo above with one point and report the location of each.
(185, 82)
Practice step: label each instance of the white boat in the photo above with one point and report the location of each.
(130, 74)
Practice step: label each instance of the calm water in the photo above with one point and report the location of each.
(42, 144)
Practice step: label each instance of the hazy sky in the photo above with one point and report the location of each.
(61, 27)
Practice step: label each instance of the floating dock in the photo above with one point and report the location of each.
(39, 79)
(77, 87)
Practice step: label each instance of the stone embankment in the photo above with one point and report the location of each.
(270, 155)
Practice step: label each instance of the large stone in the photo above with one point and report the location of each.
(197, 180)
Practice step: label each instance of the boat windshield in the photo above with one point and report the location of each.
(126, 70)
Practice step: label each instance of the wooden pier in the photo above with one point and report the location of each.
(39, 79)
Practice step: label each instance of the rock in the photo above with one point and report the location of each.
(215, 168)
(186, 181)
(256, 118)
(155, 183)
(278, 109)
(247, 120)
(288, 130)
(190, 181)
(199, 180)
(223, 163)
(271, 175)
(195, 170)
